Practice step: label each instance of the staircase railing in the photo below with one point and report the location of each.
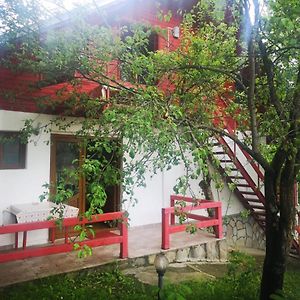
(241, 169)
(254, 165)
(257, 210)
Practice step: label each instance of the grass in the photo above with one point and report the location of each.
(241, 282)
(83, 285)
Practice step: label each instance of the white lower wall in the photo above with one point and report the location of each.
(25, 185)
(156, 195)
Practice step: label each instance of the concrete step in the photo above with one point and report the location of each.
(213, 251)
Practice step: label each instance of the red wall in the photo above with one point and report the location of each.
(25, 99)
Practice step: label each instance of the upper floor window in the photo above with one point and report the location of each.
(55, 76)
(12, 150)
(135, 48)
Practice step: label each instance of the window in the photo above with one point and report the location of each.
(136, 48)
(12, 151)
(54, 76)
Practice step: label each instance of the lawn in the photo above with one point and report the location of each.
(240, 282)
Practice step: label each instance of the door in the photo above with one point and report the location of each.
(106, 157)
(67, 154)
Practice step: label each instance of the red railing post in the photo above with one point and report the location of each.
(296, 193)
(24, 239)
(172, 202)
(52, 235)
(165, 242)
(124, 234)
(219, 227)
(16, 240)
(201, 221)
(66, 234)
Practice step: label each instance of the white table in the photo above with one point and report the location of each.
(38, 211)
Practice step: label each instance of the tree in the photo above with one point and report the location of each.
(169, 113)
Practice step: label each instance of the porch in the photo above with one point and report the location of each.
(144, 242)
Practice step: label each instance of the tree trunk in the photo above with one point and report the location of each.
(279, 223)
(205, 185)
(252, 74)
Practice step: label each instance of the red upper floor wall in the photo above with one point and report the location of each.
(24, 98)
(16, 91)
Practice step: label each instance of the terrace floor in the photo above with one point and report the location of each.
(143, 241)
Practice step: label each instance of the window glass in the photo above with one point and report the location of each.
(133, 47)
(67, 155)
(12, 151)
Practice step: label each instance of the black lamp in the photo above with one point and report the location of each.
(161, 263)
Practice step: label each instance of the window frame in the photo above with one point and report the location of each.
(152, 46)
(21, 164)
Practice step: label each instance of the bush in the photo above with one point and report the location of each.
(241, 282)
(93, 285)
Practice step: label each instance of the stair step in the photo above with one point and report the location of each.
(252, 200)
(225, 160)
(260, 213)
(248, 193)
(219, 152)
(236, 177)
(243, 185)
(257, 207)
(261, 217)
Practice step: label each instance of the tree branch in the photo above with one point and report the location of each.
(269, 69)
(232, 75)
(295, 109)
(252, 72)
(293, 134)
(295, 116)
(119, 85)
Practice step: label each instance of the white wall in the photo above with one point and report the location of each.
(25, 185)
(156, 195)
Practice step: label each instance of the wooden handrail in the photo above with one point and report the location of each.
(169, 226)
(243, 171)
(248, 156)
(105, 238)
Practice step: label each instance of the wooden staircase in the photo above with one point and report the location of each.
(239, 170)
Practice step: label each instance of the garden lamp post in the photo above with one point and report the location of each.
(161, 263)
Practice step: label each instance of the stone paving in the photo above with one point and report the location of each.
(176, 272)
(144, 244)
(197, 270)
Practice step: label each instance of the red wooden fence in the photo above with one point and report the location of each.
(102, 238)
(168, 217)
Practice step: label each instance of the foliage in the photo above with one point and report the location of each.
(85, 285)
(241, 283)
(145, 119)
(176, 292)
(240, 263)
(169, 112)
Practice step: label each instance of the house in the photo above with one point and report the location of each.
(25, 168)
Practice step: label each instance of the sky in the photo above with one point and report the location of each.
(69, 4)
